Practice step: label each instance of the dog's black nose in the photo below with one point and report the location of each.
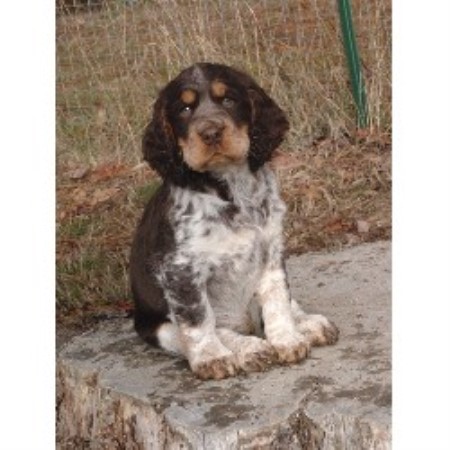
(212, 134)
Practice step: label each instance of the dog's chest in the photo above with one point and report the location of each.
(230, 244)
(241, 236)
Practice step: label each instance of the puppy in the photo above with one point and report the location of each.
(206, 268)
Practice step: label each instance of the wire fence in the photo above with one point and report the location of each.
(114, 55)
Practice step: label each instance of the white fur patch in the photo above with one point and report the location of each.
(168, 338)
(200, 343)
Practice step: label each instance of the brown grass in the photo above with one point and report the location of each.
(111, 61)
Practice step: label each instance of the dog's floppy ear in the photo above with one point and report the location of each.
(159, 145)
(268, 128)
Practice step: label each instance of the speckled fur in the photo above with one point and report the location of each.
(207, 260)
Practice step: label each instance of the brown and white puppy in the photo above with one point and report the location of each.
(206, 269)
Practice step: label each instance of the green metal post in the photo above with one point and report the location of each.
(354, 65)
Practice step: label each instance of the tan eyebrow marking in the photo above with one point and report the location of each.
(218, 89)
(188, 96)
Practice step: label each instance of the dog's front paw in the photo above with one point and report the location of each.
(257, 356)
(216, 368)
(252, 353)
(318, 330)
(292, 349)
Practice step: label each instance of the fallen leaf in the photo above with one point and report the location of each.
(362, 226)
(107, 171)
(78, 173)
(79, 196)
(284, 161)
(103, 195)
(337, 225)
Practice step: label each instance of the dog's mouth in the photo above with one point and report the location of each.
(221, 159)
(218, 158)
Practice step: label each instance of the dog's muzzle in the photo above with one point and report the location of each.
(211, 132)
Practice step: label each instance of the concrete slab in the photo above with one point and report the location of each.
(116, 392)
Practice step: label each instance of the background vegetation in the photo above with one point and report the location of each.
(112, 58)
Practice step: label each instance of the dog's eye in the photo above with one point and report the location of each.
(228, 102)
(185, 111)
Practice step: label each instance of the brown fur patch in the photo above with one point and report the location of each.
(218, 89)
(188, 96)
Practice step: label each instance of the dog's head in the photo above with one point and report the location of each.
(210, 118)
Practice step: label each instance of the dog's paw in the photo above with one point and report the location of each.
(257, 356)
(293, 349)
(216, 368)
(252, 353)
(318, 330)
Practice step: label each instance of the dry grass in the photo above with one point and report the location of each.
(338, 194)
(96, 217)
(111, 61)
